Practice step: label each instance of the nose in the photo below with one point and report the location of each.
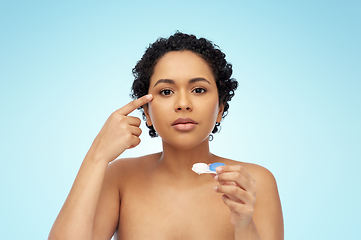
(182, 102)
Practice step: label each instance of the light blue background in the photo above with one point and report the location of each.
(66, 66)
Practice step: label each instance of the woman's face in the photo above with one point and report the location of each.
(185, 106)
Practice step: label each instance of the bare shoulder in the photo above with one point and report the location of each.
(265, 182)
(260, 173)
(120, 175)
(126, 168)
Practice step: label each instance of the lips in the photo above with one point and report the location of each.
(183, 121)
(184, 124)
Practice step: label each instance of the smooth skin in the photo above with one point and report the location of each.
(158, 196)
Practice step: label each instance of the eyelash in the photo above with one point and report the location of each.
(162, 92)
(167, 92)
(199, 88)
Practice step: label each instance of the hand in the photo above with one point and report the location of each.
(239, 189)
(120, 132)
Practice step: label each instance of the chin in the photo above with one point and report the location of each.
(186, 143)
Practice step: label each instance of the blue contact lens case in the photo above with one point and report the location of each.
(213, 166)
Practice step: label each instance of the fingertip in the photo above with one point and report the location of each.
(219, 170)
(149, 96)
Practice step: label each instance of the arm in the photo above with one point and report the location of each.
(107, 212)
(76, 218)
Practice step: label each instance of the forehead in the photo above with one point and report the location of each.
(181, 65)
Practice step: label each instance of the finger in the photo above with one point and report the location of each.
(231, 184)
(134, 142)
(230, 203)
(234, 206)
(136, 131)
(235, 177)
(235, 193)
(222, 182)
(130, 107)
(133, 121)
(235, 168)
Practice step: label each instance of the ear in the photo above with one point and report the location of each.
(146, 112)
(220, 113)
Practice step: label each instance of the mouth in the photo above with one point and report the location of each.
(184, 124)
(184, 121)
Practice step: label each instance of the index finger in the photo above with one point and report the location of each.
(235, 168)
(130, 107)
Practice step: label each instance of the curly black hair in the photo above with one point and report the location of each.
(222, 70)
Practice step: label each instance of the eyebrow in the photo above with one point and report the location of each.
(193, 80)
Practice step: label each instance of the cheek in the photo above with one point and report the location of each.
(152, 107)
(157, 110)
(210, 109)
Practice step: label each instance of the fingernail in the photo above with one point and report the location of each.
(219, 169)
(215, 188)
(216, 178)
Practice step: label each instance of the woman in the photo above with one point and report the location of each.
(182, 85)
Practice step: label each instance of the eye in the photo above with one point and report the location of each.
(199, 90)
(166, 92)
